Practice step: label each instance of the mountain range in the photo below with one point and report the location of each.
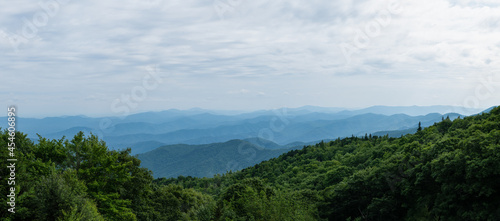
(202, 143)
(143, 132)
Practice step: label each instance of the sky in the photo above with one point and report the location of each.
(115, 57)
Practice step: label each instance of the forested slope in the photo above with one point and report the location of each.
(449, 171)
(205, 160)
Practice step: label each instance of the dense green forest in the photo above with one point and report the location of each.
(448, 171)
(205, 160)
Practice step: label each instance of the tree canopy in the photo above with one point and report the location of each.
(448, 171)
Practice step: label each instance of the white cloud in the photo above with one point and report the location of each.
(263, 46)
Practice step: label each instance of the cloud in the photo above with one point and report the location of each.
(263, 46)
(242, 91)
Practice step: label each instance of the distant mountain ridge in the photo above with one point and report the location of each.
(198, 126)
(414, 110)
(206, 160)
(399, 133)
(305, 131)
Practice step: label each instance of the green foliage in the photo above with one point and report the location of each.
(81, 179)
(449, 171)
(251, 199)
(173, 202)
(56, 194)
(87, 211)
(105, 172)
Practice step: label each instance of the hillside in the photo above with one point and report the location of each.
(448, 171)
(205, 160)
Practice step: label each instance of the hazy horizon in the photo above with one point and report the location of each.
(453, 109)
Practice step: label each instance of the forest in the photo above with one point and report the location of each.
(448, 171)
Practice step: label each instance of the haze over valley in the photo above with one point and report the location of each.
(257, 110)
(203, 143)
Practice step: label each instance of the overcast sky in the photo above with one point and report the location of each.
(112, 57)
